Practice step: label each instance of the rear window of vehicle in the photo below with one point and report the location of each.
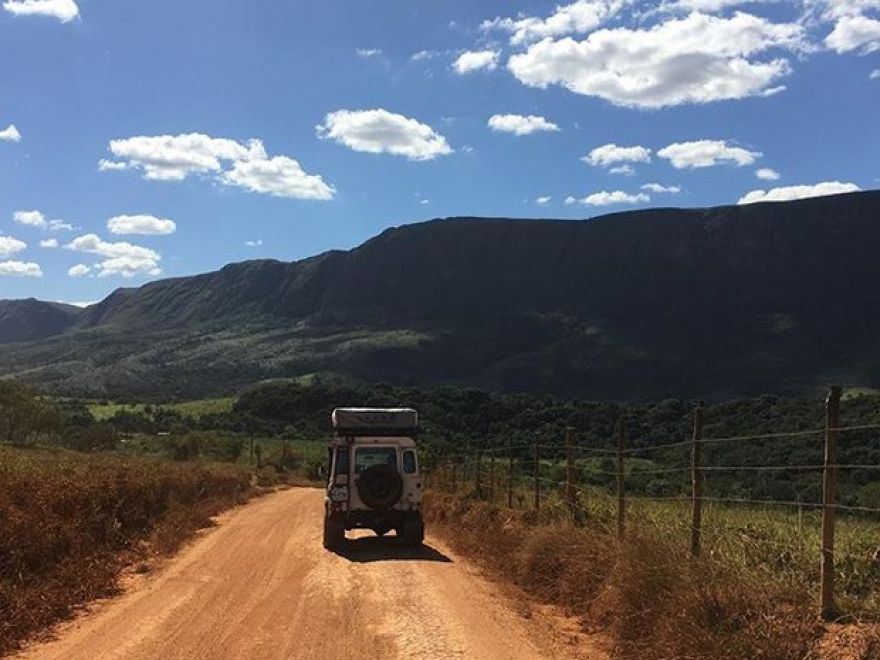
(409, 462)
(367, 457)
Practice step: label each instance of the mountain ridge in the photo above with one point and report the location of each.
(707, 302)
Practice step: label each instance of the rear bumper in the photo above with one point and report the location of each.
(390, 519)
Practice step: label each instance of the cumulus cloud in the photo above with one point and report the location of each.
(247, 165)
(543, 199)
(10, 134)
(660, 188)
(63, 10)
(607, 198)
(141, 224)
(474, 60)
(788, 193)
(521, 124)
(80, 270)
(30, 219)
(60, 225)
(10, 246)
(767, 174)
(610, 154)
(120, 258)
(256, 243)
(855, 33)
(20, 269)
(280, 177)
(694, 59)
(379, 131)
(368, 52)
(706, 153)
(49, 243)
(576, 18)
(875, 74)
(174, 157)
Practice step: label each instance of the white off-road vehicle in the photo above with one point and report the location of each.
(374, 480)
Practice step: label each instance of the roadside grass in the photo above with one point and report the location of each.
(105, 410)
(751, 594)
(69, 522)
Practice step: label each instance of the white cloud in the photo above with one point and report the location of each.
(767, 174)
(20, 269)
(576, 18)
(788, 193)
(834, 9)
(80, 270)
(694, 59)
(607, 198)
(140, 224)
(710, 6)
(80, 303)
(368, 52)
(520, 124)
(660, 188)
(610, 154)
(706, 153)
(30, 218)
(174, 157)
(423, 55)
(10, 134)
(63, 10)
(60, 225)
(121, 258)
(49, 243)
(105, 165)
(379, 131)
(624, 169)
(474, 60)
(543, 199)
(855, 33)
(10, 246)
(875, 74)
(424, 200)
(256, 243)
(280, 177)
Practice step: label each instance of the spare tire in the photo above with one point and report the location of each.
(380, 487)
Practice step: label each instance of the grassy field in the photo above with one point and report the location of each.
(751, 594)
(69, 522)
(106, 410)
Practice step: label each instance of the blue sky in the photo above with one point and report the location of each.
(145, 140)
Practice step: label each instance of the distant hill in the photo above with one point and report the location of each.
(24, 320)
(727, 301)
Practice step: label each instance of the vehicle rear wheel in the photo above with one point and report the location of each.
(334, 533)
(413, 531)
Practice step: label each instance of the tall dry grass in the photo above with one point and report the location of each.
(649, 600)
(69, 522)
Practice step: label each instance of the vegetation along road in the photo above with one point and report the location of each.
(260, 585)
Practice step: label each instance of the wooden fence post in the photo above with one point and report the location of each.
(621, 495)
(510, 473)
(492, 478)
(537, 477)
(569, 468)
(478, 483)
(832, 422)
(697, 483)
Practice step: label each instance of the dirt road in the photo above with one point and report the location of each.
(260, 585)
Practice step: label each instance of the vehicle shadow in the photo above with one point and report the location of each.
(390, 548)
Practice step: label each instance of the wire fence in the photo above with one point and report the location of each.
(621, 488)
